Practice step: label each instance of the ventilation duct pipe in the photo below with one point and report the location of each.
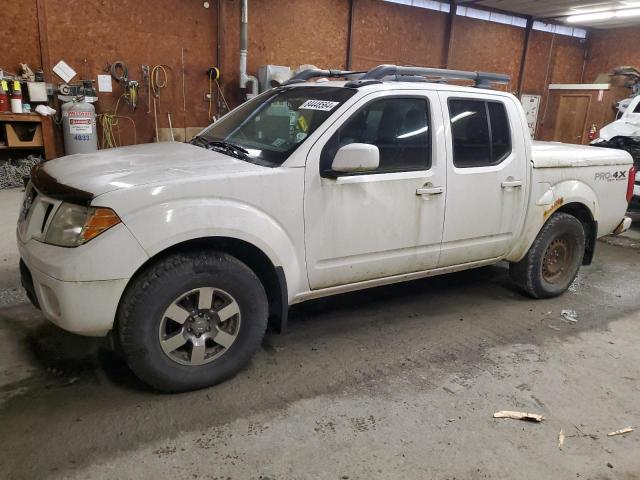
(244, 43)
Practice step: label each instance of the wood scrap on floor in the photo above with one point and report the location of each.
(620, 432)
(560, 439)
(530, 417)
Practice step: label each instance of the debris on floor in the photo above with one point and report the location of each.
(12, 171)
(530, 417)
(569, 315)
(560, 439)
(620, 432)
(582, 433)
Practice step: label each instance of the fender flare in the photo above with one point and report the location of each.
(565, 194)
(162, 226)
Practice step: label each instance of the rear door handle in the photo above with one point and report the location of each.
(511, 183)
(429, 190)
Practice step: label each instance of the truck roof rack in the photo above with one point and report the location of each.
(403, 74)
(377, 74)
(310, 73)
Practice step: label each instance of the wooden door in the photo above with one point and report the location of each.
(571, 119)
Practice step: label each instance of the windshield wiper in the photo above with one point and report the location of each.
(198, 140)
(229, 146)
(224, 147)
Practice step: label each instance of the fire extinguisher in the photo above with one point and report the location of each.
(4, 96)
(593, 132)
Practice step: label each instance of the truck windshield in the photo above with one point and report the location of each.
(268, 128)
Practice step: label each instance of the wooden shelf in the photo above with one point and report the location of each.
(20, 117)
(46, 123)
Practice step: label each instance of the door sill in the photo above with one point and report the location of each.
(377, 282)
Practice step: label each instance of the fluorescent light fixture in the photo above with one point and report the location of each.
(586, 10)
(589, 17)
(608, 15)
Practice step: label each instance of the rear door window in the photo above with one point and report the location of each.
(500, 132)
(480, 132)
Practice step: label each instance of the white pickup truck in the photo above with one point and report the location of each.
(186, 251)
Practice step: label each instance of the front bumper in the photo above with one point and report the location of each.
(85, 308)
(79, 289)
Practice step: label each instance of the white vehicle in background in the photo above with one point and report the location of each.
(623, 132)
(186, 251)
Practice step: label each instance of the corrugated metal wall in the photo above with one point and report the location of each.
(92, 33)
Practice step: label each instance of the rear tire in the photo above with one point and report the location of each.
(192, 320)
(553, 261)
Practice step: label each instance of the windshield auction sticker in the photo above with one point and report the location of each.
(324, 105)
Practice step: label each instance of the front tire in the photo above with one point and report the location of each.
(192, 320)
(553, 261)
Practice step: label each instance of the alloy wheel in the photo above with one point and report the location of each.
(199, 326)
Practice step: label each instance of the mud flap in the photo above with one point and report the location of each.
(279, 309)
(590, 247)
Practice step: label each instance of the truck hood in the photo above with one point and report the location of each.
(557, 155)
(82, 177)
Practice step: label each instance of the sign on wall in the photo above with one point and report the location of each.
(531, 105)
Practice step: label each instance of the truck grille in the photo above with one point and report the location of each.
(29, 198)
(34, 214)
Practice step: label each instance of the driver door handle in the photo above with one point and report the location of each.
(511, 183)
(428, 189)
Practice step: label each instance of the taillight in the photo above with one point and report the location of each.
(632, 179)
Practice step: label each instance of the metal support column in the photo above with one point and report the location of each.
(350, 35)
(449, 33)
(525, 56)
(44, 40)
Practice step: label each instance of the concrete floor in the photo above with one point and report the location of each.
(395, 383)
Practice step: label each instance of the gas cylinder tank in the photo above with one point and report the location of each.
(79, 127)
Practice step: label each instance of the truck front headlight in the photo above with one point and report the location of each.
(74, 225)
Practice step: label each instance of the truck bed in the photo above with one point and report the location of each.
(559, 155)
